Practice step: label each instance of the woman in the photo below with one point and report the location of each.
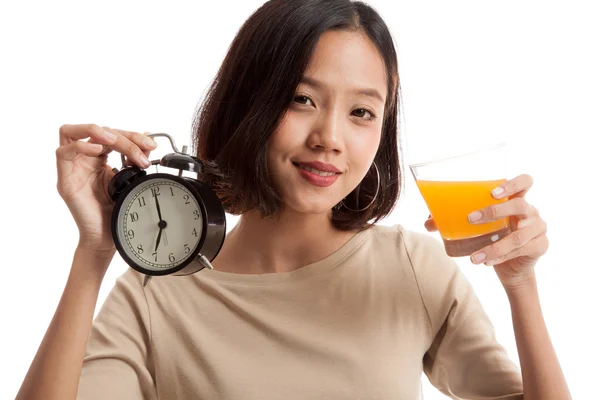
(308, 299)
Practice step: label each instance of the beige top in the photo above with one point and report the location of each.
(363, 323)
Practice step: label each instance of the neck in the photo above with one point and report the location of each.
(267, 245)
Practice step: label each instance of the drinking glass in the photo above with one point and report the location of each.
(456, 185)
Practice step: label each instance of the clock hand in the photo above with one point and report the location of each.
(158, 239)
(165, 238)
(157, 206)
(161, 225)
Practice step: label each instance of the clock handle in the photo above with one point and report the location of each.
(180, 159)
(153, 135)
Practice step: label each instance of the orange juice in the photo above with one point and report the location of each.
(450, 202)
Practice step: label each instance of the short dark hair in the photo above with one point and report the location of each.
(253, 90)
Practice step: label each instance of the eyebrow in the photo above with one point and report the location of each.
(361, 91)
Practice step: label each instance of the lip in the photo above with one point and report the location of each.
(316, 179)
(321, 166)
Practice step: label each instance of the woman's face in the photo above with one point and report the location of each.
(328, 138)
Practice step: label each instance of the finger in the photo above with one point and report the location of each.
(535, 221)
(536, 248)
(430, 225)
(71, 133)
(115, 139)
(130, 149)
(516, 187)
(517, 206)
(105, 150)
(145, 143)
(514, 240)
(70, 151)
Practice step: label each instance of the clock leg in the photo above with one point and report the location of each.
(204, 261)
(147, 279)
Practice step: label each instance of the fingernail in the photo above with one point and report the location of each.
(498, 191)
(149, 142)
(110, 136)
(477, 258)
(144, 160)
(475, 216)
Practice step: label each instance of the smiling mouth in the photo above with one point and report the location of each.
(316, 171)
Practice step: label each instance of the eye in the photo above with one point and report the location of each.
(303, 100)
(362, 112)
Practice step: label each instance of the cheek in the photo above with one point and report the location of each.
(361, 150)
(286, 137)
(362, 147)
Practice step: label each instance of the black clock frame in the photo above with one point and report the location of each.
(214, 226)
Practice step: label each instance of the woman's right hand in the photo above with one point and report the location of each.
(83, 176)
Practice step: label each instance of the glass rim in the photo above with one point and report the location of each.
(479, 150)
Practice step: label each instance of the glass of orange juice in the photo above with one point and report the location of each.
(457, 185)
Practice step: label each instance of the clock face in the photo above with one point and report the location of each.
(160, 224)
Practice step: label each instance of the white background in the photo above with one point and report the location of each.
(525, 72)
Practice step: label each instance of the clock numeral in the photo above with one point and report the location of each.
(196, 214)
(141, 201)
(171, 257)
(195, 232)
(186, 248)
(155, 256)
(140, 249)
(134, 216)
(155, 191)
(187, 199)
(172, 194)
(130, 234)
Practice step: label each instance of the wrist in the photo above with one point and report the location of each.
(84, 247)
(521, 287)
(90, 262)
(93, 247)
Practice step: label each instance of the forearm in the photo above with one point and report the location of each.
(540, 368)
(56, 368)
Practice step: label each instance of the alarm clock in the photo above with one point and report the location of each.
(166, 224)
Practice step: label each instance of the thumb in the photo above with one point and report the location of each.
(430, 224)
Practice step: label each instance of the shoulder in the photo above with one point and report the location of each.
(165, 293)
(421, 255)
(417, 264)
(129, 287)
(424, 253)
(421, 248)
(126, 295)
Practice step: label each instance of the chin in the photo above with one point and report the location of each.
(304, 205)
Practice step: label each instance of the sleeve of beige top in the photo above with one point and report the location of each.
(464, 361)
(117, 363)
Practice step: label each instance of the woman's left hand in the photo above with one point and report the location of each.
(515, 255)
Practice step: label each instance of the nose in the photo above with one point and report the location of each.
(327, 133)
